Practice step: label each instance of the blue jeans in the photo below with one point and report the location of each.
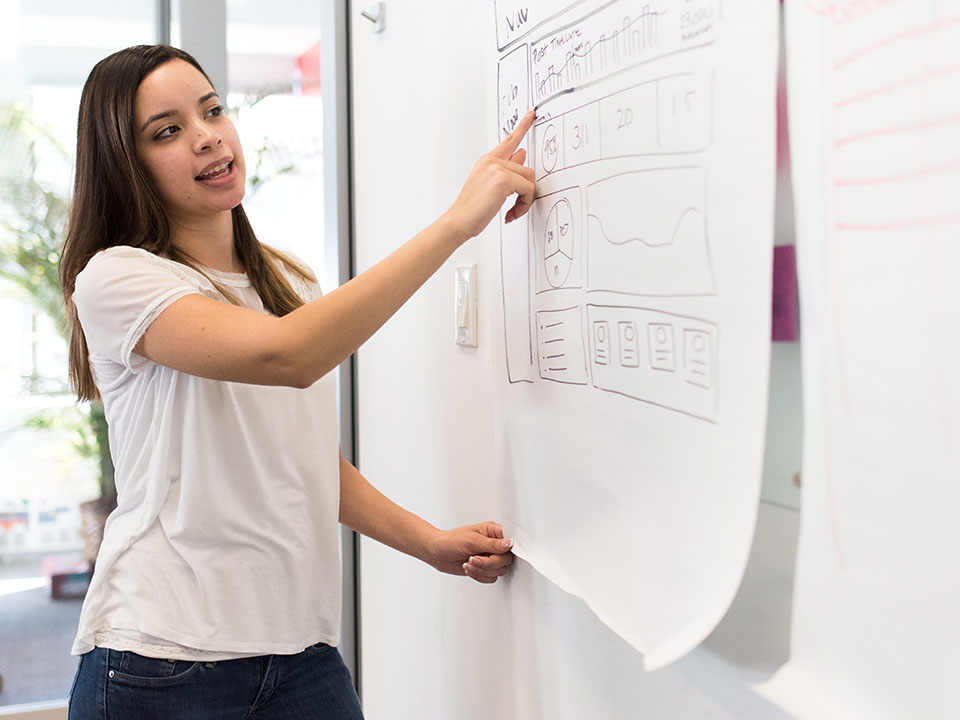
(115, 685)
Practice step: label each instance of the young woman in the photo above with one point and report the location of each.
(216, 591)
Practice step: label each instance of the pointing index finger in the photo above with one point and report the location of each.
(512, 141)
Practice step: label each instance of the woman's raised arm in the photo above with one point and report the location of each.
(201, 336)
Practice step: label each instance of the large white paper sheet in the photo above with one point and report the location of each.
(636, 303)
(874, 97)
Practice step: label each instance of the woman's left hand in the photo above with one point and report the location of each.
(478, 551)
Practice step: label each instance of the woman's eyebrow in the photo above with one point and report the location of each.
(171, 113)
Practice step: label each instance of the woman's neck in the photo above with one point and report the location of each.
(209, 242)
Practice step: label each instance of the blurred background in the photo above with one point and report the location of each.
(56, 482)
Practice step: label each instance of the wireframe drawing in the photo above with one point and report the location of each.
(620, 156)
(556, 229)
(638, 252)
(560, 346)
(656, 357)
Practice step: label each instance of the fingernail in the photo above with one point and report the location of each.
(507, 544)
(465, 567)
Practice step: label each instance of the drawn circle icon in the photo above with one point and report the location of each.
(550, 149)
(558, 243)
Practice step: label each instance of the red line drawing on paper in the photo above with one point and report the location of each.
(897, 129)
(899, 177)
(901, 224)
(899, 85)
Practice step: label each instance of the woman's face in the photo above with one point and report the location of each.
(187, 144)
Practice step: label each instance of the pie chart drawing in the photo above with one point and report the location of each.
(558, 243)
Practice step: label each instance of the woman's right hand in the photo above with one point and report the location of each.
(494, 178)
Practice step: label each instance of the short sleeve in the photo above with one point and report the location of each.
(119, 293)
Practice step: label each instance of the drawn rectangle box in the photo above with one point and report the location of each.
(581, 135)
(655, 357)
(513, 89)
(663, 352)
(612, 38)
(628, 343)
(560, 346)
(601, 342)
(647, 233)
(628, 122)
(558, 240)
(684, 113)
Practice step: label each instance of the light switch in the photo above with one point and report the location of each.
(465, 305)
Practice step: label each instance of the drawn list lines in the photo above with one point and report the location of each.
(560, 346)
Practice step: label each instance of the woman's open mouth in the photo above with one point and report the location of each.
(216, 172)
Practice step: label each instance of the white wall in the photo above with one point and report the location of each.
(442, 647)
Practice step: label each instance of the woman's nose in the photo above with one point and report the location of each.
(206, 138)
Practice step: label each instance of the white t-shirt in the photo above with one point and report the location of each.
(225, 540)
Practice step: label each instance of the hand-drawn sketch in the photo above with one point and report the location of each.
(584, 236)
(666, 116)
(560, 346)
(638, 252)
(518, 18)
(615, 37)
(636, 302)
(634, 352)
(556, 232)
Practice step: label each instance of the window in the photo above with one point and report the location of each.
(48, 465)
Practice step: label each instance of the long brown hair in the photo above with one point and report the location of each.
(115, 202)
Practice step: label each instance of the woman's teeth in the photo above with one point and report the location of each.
(215, 172)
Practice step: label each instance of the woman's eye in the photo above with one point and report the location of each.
(168, 131)
(216, 111)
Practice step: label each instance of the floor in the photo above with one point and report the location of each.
(36, 633)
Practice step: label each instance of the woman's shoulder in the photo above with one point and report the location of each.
(141, 268)
(124, 255)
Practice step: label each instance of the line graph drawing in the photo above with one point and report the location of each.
(636, 252)
(616, 37)
(633, 352)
